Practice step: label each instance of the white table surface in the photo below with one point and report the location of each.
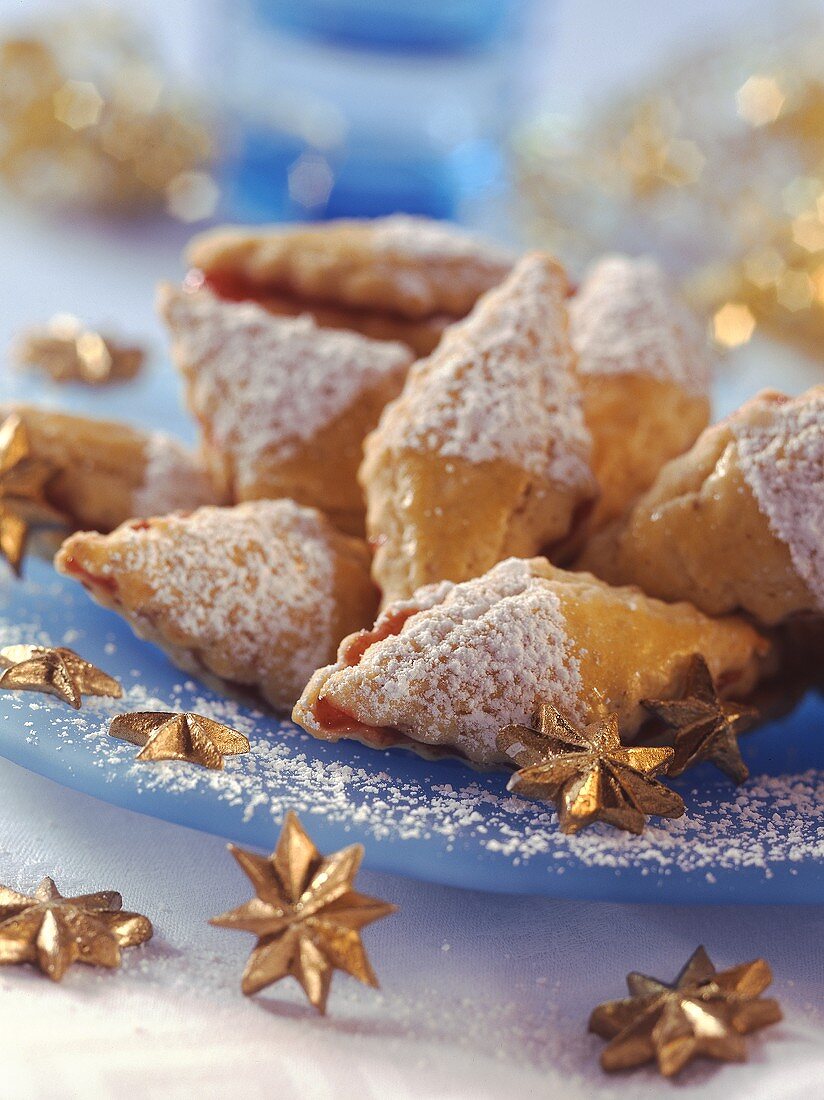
(482, 996)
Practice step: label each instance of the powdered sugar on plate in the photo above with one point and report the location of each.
(781, 454)
(433, 820)
(500, 384)
(626, 319)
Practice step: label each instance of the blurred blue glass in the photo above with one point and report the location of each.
(363, 107)
(393, 24)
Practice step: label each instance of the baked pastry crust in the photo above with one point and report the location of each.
(405, 266)
(283, 405)
(256, 595)
(449, 667)
(644, 374)
(421, 334)
(737, 523)
(485, 453)
(110, 472)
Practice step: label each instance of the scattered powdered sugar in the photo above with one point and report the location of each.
(173, 479)
(264, 385)
(770, 821)
(482, 657)
(500, 384)
(242, 581)
(626, 319)
(404, 235)
(459, 826)
(782, 459)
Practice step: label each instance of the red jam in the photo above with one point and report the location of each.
(90, 580)
(331, 717)
(387, 626)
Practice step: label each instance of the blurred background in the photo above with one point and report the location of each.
(694, 131)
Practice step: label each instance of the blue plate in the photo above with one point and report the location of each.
(443, 822)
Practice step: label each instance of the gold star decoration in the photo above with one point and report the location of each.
(705, 726)
(588, 773)
(52, 932)
(23, 481)
(54, 671)
(704, 1012)
(69, 352)
(173, 736)
(306, 914)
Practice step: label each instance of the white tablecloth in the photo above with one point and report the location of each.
(482, 996)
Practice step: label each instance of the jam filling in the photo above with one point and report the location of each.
(235, 288)
(360, 642)
(90, 580)
(333, 718)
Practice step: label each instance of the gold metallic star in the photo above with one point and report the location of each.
(702, 1013)
(69, 352)
(588, 773)
(169, 736)
(55, 671)
(306, 915)
(23, 481)
(52, 932)
(705, 726)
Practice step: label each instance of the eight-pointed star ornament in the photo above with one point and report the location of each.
(704, 1012)
(588, 773)
(179, 736)
(307, 915)
(705, 726)
(23, 481)
(52, 932)
(54, 671)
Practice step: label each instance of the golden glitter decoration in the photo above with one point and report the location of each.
(90, 120)
(52, 932)
(23, 481)
(588, 773)
(719, 161)
(172, 736)
(703, 1013)
(54, 671)
(306, 915)
(733, 324)
(705, 726)
(69, 352)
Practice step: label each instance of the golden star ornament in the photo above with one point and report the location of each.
(191, 737)
(54, 671)
(705, 727)
(23, 481)
(588, 773)
(703, 1013)
(306, 914)
(69, 352)
(52, 932)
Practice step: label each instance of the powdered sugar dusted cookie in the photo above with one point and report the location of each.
(257, 595)
(738, 521)
(110, 472)
(485, 453)
(446, 669)
(644, 373)
(283, 404)
(409, 266)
